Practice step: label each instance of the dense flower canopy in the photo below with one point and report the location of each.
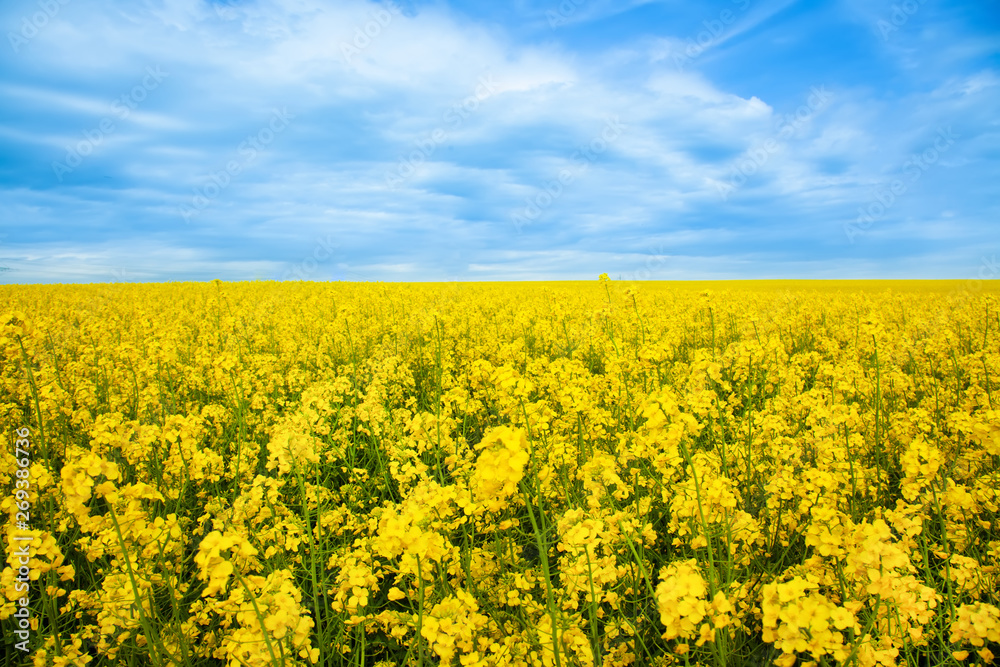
(504, 474)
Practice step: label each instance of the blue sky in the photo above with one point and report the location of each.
(165, 140)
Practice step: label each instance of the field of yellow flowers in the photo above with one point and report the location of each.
(537, 474)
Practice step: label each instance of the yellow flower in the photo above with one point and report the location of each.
(214, 568)
(680, 599)
(503, 455)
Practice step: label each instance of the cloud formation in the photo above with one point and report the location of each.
(299, 139)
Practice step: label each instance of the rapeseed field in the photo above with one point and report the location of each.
(516, 474)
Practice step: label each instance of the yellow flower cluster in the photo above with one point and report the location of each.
(452, 625)
(265, 623)
(414, 528)
(977, 624)
(503, 455)
(680, 598)
(214, 567)
(590, 561)
(797, 619)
